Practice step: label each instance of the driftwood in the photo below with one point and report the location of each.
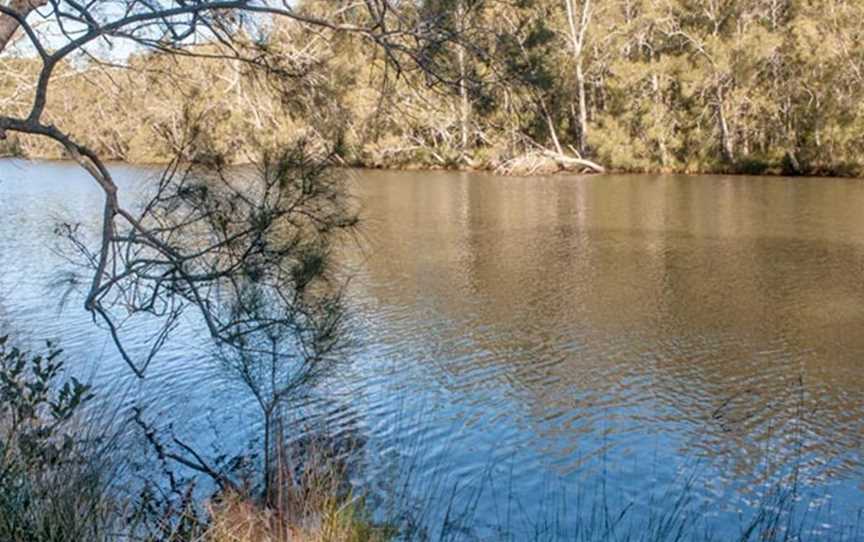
(544, 162)
(570, 162)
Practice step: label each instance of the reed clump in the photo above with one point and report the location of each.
(309, 499)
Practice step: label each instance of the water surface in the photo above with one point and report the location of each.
(527, 347)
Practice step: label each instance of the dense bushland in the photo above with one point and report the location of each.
(634, 85)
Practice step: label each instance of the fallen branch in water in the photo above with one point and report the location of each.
(544, 162)
(570, 162)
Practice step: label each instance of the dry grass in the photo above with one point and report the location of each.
(238, 519)
(310, 502)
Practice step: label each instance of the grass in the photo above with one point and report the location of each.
(310, 501)
(239, 519)
(62, 479)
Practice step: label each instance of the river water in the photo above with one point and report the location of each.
(534, 354)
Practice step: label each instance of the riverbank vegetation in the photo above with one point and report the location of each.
(65, 475)
(527, 87)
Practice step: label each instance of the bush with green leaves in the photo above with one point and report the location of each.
(51, 487)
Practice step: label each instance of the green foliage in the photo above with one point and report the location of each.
(49, 488)
(669, 86)
(35, 411)
(10, 147)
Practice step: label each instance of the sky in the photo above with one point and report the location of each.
(111, 50)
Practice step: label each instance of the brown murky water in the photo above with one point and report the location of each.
(534, 342)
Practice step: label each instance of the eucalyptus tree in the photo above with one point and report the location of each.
(579, 16)
(681, 85)
(820, 85)
(456, 16)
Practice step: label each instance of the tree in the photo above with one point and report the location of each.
(640, 85)
(204, 240)
(578, 21)
(15, 14)
(250, 250)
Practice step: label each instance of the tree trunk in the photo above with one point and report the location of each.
(578, 30)
(727, 149)
(568, 162)
(552, 132)
(8, 24)
(465, 106)
(659, 109)
(582, 140)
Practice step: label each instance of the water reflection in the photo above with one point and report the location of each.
(722, 313)
(615, 329)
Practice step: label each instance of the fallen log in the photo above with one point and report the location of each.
(570, 162)
(546, 162)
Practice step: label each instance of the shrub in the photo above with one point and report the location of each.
(52, 488)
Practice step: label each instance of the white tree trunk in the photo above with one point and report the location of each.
(578, 30)
(465, 109)
(660, 112)
(582, 141)
(727, 148)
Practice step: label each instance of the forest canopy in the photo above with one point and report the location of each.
(753, 86)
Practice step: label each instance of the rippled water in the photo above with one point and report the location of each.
(529, 348)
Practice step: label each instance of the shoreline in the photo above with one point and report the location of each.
(408, 168)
